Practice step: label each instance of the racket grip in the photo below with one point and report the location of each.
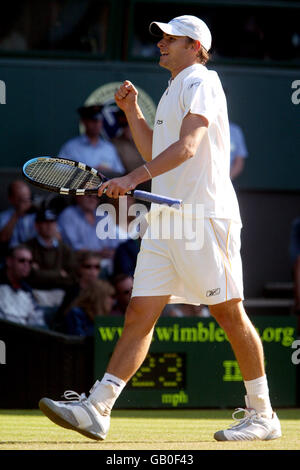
(156, 198)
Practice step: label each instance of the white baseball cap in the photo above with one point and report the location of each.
(186, 25)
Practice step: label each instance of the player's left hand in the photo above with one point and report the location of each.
(116, 187)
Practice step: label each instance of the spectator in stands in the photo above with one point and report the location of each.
(238, 150)
(125, 257)
(87, 270)
(78, 227)
(77, 224)
(124, 143)
(295, 260)
(17, 303)
(17, 222)
(95, 300)
(126, 148)
(90, 147)
(123, 285)
(52, 259)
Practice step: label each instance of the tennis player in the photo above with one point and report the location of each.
(187, 156)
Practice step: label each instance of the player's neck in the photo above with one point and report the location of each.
(177, 70)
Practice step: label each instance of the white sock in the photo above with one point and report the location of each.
(104, 394)
(258, 396)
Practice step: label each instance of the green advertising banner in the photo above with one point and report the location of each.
(191, 364)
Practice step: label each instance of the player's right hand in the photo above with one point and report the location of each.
(126, 96)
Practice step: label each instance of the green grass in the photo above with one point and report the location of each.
(141, 430)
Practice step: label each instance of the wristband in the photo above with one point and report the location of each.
(148, 171)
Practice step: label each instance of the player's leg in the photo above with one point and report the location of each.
(91, 416)
(141, 316)
(260, 422)
(242, 335)
(130, 352)
(218, 268)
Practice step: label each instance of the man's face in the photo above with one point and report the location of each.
(90, 269)
(21, 196)
(19, 265)
(47, 229)
(176, 53)
(92, 127)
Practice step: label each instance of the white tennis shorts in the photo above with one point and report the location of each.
(209, 275)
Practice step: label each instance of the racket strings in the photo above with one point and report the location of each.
(62, 175)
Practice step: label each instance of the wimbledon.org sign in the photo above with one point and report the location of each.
(210, 332)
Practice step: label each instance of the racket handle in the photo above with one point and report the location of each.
(156, 198)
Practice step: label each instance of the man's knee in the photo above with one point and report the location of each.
(134, 311)
(228, 313)
(144, 311)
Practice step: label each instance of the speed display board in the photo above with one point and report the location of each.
(161, 371)
(190, 363)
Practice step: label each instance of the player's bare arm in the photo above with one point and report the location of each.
(126, 98)
(193, 129)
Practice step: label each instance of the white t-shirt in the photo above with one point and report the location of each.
(204, 178)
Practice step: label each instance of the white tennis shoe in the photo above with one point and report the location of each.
(78, 414)
(251, 427)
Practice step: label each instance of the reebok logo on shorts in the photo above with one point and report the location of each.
(212, 292)
(159, 121)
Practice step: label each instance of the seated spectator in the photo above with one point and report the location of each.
(87, 270)
(125, 257)
(77, 224)
(124, 143)
(126, 148)
(123, 285)
(17, 303)
(95, 300)
(238, 150)
(17, 222)
(91, 148)
(52, 259)
(78, 228)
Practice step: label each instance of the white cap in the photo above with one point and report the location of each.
(186, 25)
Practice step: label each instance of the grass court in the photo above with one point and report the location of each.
(141, 430)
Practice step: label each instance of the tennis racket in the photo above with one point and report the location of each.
(68, 177)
